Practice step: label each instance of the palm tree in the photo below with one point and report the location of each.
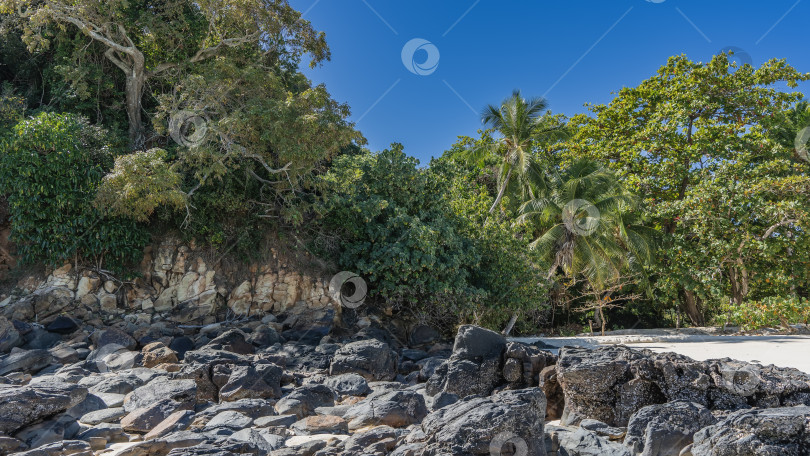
(522, 126)
(588, 226)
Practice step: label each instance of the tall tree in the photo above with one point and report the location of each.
(587, 228)
(520, 124)
(148, 39)
(677, 130)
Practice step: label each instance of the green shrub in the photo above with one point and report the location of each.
(396, 230)
(769, 312)
(50, 169)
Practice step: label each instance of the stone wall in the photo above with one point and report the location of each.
(175, 283)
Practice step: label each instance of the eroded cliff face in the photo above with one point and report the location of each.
(179, 283)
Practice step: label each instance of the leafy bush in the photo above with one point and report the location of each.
(50, 168)
(139, 183)
(769, 312)
(396, 230)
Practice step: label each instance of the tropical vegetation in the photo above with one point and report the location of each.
(683, 201)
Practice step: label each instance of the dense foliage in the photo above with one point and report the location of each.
(686, 198)
(50, 169)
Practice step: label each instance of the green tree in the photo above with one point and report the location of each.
(678, 130)
(520, 124)
(50, 168)
(393, 230)
(587, 227)
(150, 40)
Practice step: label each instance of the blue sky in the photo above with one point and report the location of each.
(571, 52)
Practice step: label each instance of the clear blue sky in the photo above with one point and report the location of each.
(572, 52)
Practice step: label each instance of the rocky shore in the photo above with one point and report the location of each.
(242, 388)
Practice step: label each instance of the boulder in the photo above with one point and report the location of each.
(233, 341)
(486, 425)
(62, 448)
(393, 408)
(555, 399)
(177, 421)
(62, 325)
(183, 391)
(143, 420)
(372, 359)
(9, 336)
(261, 381)
(348, 385)
(783, 431)
(474, 368)
(26, 361)
(423, 335)
(610, 384)
(43, 305)
(21, 406)
(523, 364)
(582, 442)
(157, 353)
(304, 400)
(230, 419)
(113, 336)
(321, 425)
(666, 429)
(363, 439)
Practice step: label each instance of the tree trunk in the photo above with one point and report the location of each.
(510, 325)
(692, 309)
(501, 191)
(136, 79)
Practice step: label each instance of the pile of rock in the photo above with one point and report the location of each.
(70, 389)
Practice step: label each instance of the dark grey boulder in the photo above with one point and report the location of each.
(610, 384)
(475, 366)
(261, 381)
(566, 441)
(61, 448)
(26, 361)
(9, 336)
(348, 384)
(666, 429)
(486, 425)
(783, 431)
(372, 359)
(394, 408)
(113, 336)
(183, 391)
(304, 400)
(21, 406)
